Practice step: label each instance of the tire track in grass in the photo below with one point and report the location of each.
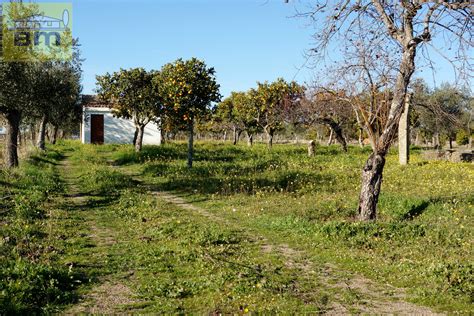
(108, 296)
(365, 295)
(368, 296)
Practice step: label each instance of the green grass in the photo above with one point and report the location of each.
(422, 240)
(31, 280)
(106, 228)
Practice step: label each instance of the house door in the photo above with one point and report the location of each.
(97, 129)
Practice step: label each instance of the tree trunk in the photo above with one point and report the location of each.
(249, 139)
(42, 132)
(270, 140)
(11, 149)
(135, 136)
(20, 136)
(236, 136)
(450, 143)
(55, 135)
(190, 142)
(270, 133)
(373, 169)
(436, 143)
(163, 136)
(340, 137)
(225, 135)
(404, 133)
(139, 138)
(331, 132)
(361, 139)
(417, 138)
(370, 190)
(311, 148)
(33, 134)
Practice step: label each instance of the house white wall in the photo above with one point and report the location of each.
(117, 130)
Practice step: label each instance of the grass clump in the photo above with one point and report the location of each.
(31, 280)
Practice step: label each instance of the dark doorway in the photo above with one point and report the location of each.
(97, 129)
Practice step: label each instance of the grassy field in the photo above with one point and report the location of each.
(103, 229)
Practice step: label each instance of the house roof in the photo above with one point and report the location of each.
(92, 101)
(39, 18)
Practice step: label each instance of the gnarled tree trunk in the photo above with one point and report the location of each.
(42, 133)
(55, 135)
(373, 169)
(237, 134)
(249, 139)
(13, 128)
(135, 135)
(336, 128)
(370, 190)
(331, 133)
(139, 140)
(33, 134)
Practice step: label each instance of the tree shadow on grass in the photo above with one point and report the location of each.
(90, 201)
(201, 179)
(52, 157)
(177, 152)
(416, 210)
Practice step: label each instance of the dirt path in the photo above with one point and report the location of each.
(366, 296)
(110, 293)
(369, 297)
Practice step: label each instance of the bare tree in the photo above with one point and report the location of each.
(378, 34)
(325, 107)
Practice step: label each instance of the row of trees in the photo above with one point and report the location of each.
(266, 108)
(174, 97)
(437, 114)
(41, 90)
(36, 94)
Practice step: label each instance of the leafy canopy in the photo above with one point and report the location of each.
(132, 94)
(187, 88)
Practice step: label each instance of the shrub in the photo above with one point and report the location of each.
(462, 138)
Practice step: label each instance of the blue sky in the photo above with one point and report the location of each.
(244, 40)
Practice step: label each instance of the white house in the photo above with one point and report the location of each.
(99, 126)
(39, 22)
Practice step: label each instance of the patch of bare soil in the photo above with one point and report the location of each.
(371, 298)
(106, 298)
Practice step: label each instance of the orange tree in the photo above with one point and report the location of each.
(272, 100)
(133, 96)
(187, 90)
